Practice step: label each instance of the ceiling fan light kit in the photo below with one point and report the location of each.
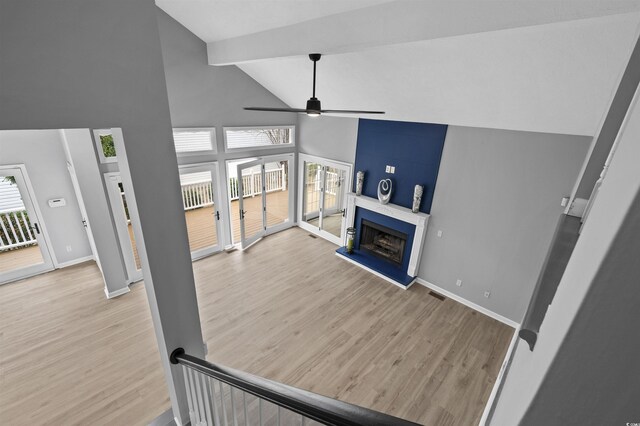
(314, 107)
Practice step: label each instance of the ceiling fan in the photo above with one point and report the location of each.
(313, 105)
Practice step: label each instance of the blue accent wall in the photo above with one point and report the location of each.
(414, 149)
(389, 222)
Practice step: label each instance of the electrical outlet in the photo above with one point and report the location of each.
(69, 249)
(439, 233)
(487, 294)
(459, 283)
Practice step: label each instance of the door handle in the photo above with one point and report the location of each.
(242, 212)
(36, 227)
(344, 212)
(217, 215)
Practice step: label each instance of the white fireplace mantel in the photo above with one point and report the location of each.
(404, 214)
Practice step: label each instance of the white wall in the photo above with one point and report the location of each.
(497, 200)
(42, 153)
(585, 366)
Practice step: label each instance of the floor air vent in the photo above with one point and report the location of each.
(436, 295)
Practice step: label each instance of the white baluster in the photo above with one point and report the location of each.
(15, 215)
(13, 231)
(194, 397)
(224, 410)
(233, 409)
(187, 388)
(246, 417)
(199, 393)
(212, 386)
(27, 227)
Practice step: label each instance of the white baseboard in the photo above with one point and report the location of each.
(74, 262)
(374, 272)
(116, 293)
(472, 305)
(498, 383)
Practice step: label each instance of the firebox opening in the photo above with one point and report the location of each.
(385, 243)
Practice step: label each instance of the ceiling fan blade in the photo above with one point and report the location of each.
(349, 111)
(275, 109)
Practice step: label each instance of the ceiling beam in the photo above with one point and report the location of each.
(404, 22)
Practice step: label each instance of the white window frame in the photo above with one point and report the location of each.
(96, 136)
(214, 141)
(260, 147)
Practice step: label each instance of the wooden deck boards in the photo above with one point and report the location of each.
(19, 258)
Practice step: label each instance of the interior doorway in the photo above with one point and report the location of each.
(24, 249)
(323, 185)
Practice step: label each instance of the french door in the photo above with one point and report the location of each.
(201, 203)
(322, 196)
(23, 247)
(264, 199)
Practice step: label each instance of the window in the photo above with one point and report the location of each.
(195, 141)
(245, 138)
(105, 144)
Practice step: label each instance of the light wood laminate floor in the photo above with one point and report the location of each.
(287, 309)
(290, 310)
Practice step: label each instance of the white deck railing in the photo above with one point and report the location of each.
(196, 195)
(15, 229)
(313, 192)
(252, 183)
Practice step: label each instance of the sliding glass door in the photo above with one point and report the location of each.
(323, 187)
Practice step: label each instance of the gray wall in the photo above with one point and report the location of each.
(329, 137)
(497, 200)
(79, 64)
(585, 366)
(201, 95)
(42, 154)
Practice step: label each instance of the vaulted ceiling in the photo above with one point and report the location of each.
(535, 65)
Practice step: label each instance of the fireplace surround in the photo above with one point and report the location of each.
(404, 274)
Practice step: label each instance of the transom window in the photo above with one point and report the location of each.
(105, 144)
(195, 140)
(245, 138)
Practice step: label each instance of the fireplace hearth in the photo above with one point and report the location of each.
(382, 242)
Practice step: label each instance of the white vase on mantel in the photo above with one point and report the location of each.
(359, 182)
(417, 198)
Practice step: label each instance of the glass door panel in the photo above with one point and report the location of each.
(198, 187)
(23, 250)
(251, 207)
(276, 185)
(311, 193)
(124, 228)
(334, 199)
